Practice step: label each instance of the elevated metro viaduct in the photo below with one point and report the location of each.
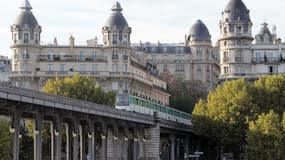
(92, 131)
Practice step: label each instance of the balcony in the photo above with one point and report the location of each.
(265, 59)
(71, 58)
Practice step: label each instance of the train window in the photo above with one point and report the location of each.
(122, 100)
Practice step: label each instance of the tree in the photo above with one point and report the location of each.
(264, 138)
(83, 88)
(184, 94)
(269, 93)
(226, 111)
(6, 141)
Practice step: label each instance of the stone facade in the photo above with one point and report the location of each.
(239, 56)
(113, 64)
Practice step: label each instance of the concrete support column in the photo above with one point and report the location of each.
(75, 134)
(110, 144)
(51, 140)
(141, 144)
(38, 125)
(104, 141)
(15, 128)
(57, 137)
(82, 142)
(135, 144)
(152, 143)
(177, 150)
(186, 148)
(91, 140)
(172, 147)
(68, 146)
(126, 143)
(117, 147)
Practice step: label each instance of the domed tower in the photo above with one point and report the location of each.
(199, 40)
(235, 41)
(264, 36)
(116, 31)
(25, 46)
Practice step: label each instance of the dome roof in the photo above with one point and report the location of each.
(26, 17)
(264, 29)
(199, 32)
(116, 18)
(236, 11)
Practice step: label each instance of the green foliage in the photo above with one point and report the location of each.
(269, 93)
(234, 116)
(6, 139)
(184, 94)
(264, 138)
(83, 88)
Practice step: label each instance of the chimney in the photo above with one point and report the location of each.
(71, 41)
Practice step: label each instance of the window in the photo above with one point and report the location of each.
(32, 35)
(238, 29)
(50, 67)
(62, 67)
(26, 55)
(115, 55)
(225, 30)
(226, 56)
(50, 56)
(125, 67)
(273, 69)
(94, 68)
(199, 56)
(82, 56)
(94, 55)
(179, 68)
(199, 67)
(226, 70)
(26, 38)
(115, 68)
(115, 39)
(82, 68)
(25, 67)
(239, 57)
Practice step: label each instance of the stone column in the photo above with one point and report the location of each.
(135, 145)
(91, 140)
(57, 137)
(126, 143)
(172, 147)
(75, 134)
(51, 140)
(110, 144)
(82, 142)
(15, 128)
(177, 149)
(186, 148)
(152, 143)
(104, 141)
(141, 144)
(38, 125)
(68, 146)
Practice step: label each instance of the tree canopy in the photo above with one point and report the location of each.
(237, 112)
(184, 94)
(83, 88)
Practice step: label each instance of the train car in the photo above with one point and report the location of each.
(136, 104)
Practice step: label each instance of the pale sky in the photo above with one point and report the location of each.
(151, 20)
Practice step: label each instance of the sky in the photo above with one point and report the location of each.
(167, 21)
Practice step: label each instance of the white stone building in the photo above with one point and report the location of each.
(240, 57)
(113, 64)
